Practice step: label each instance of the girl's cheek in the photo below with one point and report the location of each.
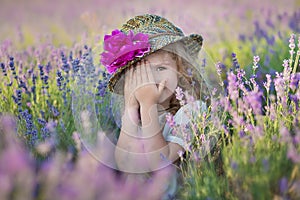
(172, 83)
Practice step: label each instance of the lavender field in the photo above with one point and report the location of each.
(50, 73)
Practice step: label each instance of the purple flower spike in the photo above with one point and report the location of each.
(233, 86)
(170, 120)
(283, 185)
(121, 48)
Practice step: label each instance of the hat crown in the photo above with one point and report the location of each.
(152, 25)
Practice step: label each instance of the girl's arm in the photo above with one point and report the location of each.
(127, 142)
(157, 150)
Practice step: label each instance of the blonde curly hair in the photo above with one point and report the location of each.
(190, 76)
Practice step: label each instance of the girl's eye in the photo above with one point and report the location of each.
(160, 68)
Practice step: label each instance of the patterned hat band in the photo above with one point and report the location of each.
(162, 34)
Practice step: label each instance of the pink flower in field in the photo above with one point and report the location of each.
(292, 42)
(179, 95)
(180, 153)
(253, 100)
(219, 68)
(267, 84)
(285, 135)
(294, 81)
(121, 48)
(256, 59)
(189, 98)
(170, 120)
(14, 160)
(202, 138)
(293, 154)
(283, 185)
(233, 86)
(255, 62)
(285, 63)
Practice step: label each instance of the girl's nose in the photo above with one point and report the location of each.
(155, 75)
(157, 79)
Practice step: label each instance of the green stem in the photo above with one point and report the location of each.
(296, 62)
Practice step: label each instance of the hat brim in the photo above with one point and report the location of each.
(193, 44)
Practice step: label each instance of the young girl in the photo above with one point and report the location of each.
(149, 59)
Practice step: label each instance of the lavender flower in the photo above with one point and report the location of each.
(19, 97)
(267, 60)
(266, 165)
(254, 84)
(283, 185)
(270, 23)
(285, 135)
(180, 153)
(240, 75)
(101, 88)
(267, 84)
(270, 40)
(286, 70)
(253, 99)
(189, 98)
(255, 62)
(53, 110)
(293, 154)
(279, 84)
(234, 165)
(11, 64)
(75, 65)
(59, 80)
(179, 95)
(202, 138)
(292, 45)
(3, 69)
(235, 61)
(41, 68)
(219, 68)
(65, 65)
(41, 121)
(242, 133)
(294, 81)
(48, 67)
(170, 120)
(232, 86)
(31, 132)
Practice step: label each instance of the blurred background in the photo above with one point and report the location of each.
(69, 20)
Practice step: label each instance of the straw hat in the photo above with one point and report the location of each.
(160, 33)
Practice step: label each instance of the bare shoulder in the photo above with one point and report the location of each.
(174, 148)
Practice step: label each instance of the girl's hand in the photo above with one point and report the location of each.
(131, 112)
(147, 92)
(129, 87)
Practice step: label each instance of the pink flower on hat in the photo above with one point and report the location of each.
(120, 48)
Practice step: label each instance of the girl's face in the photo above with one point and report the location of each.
(164, 67)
